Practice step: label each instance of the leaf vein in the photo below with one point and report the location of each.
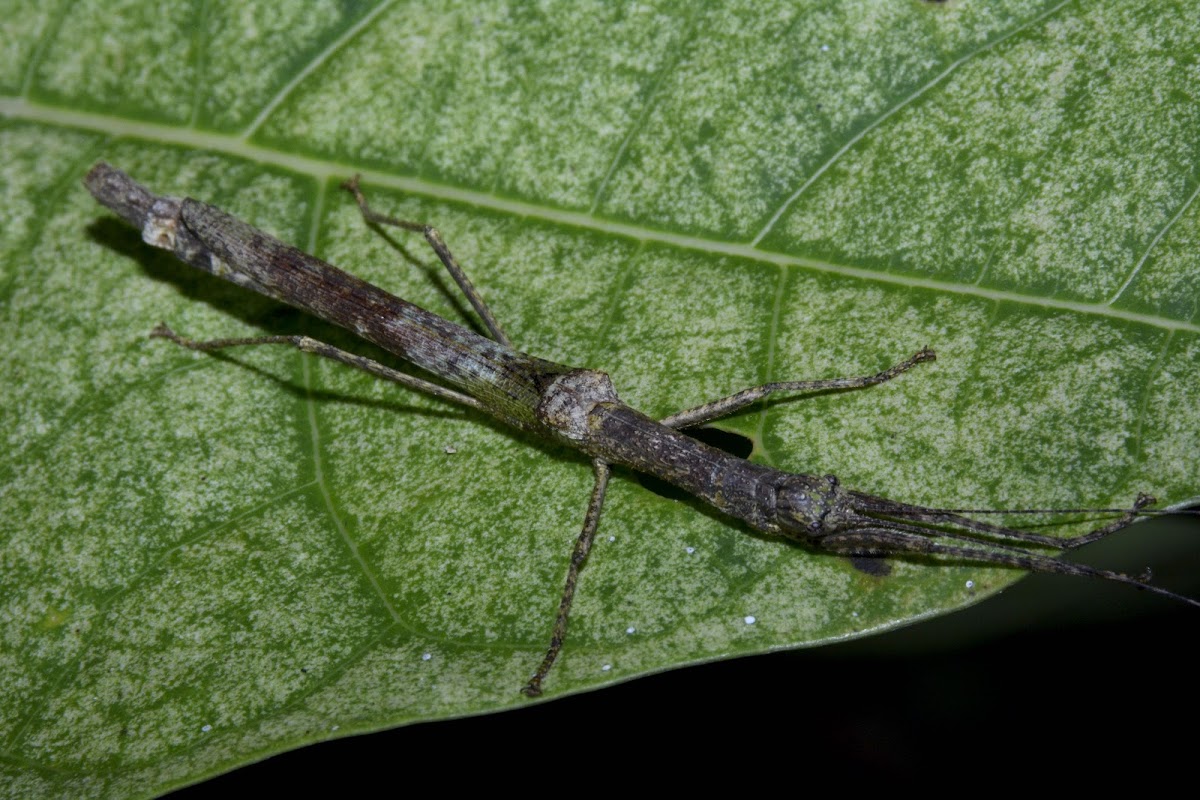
(1137, 268)
(854, 140)
(314, 63)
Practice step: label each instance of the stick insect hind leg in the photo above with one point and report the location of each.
(443, 252)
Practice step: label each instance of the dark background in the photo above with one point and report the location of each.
(1071, 672)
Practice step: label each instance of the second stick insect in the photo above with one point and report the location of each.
(576, 407)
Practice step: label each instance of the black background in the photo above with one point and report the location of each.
(1094, 678)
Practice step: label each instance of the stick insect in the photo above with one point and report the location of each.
(579, 407)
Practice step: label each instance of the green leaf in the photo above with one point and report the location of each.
(209, 559)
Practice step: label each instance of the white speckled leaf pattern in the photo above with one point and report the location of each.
(205, 560)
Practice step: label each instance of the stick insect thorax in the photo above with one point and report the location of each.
(579, 407)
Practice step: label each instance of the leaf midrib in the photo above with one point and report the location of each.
(325, 170)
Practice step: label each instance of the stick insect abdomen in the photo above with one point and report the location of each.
(732, 485)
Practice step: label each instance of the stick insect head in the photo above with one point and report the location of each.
(809, 508)
(821, 514)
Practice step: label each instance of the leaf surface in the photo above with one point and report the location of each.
(209, 559)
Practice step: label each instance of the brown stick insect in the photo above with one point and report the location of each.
(579, 407)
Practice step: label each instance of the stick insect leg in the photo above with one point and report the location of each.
(308, 345)
(734, 402)
(582, 546)
(443, 252)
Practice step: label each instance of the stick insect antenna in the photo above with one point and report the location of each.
(879, 531)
